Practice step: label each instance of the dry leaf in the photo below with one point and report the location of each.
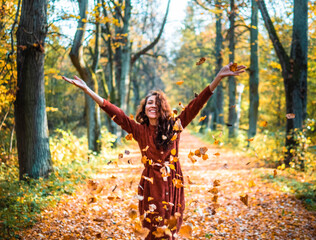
(177, 183)
(263, 123)
(177, 125)
(113, 117)
(132, 213)
(140, 231)
(203, 150)
(179, 82)
(145, 149)
(217, 154)
(216, 183)
(201, 61)
(129, 136)
(275, 173)
(204, 156)
(233, 67)
(202, 118)
(290, 115)
(186, 231)
(173, 151)
(144, 159)
(244, 199)
(197, 153)
(149, 179)
(249, 140)
(131, 116)
(174, 137)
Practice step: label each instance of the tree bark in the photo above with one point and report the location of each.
(294, 69)
(30, 108)
(231, 79)
(76, 56)
(254, 72)
(219, 96)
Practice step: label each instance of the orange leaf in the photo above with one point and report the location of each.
(149, 179)
(275, 173)
(131, 116)
(249, 140)
(179, 82)
(202, 118)
(233, 67)
(186, 231)
(204, 156)
(129, 136)
(174, 137)
(217, 154)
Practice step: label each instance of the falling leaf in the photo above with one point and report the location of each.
(233, 67)
(263, 123)
(179, 82)
(131, 116)
(244, 199)
(177, 183)
(175, 111)
(129, 136)
(202, 118)
(127, 152)
(120, 155)
(201, 61)
(172, 167)
(140, 231)
(173, 151)
(164, 137)
(174, 137)
(22, 47)
(93, 185)
(171, 222)
(216, 183)
(216, 141)
(150, 198)
(160, 232)
(217, 154)
(214, 199)
(149, 179)
(132, 213)
(249, 140)
(247, 163)
(214, 190)
(186, 231)
(114, 188)
(197, 153)
(144, 159)
(203, 150)
(204, 156)
(275, 173)
(189, 180)
(145, 149)
(181, 105)
(177, 125)
(91, 199)
(290, 115)
(113, 117)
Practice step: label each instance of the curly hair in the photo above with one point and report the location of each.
(165, 120)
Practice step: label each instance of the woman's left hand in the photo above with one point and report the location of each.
(225, 71)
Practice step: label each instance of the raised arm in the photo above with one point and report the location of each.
(113, 111)
(194, 107)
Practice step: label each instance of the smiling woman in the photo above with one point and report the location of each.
(157, 131)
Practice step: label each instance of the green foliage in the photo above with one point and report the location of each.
(21, 202)
(293, 182)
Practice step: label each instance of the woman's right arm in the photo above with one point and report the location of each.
(113, 111)
(82, 85)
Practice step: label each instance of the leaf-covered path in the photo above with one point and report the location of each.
(105, 207)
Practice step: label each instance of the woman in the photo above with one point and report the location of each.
(161, 194)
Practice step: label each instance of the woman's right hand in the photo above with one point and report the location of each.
(77, 82)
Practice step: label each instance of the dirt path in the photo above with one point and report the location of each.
(106, 213)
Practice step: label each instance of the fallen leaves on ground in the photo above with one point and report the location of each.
(221, 203)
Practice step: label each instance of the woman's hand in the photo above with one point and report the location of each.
(225, 71)
(77, 82)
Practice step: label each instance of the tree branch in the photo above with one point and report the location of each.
(151, 45)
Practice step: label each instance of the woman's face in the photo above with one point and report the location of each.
(151, 108)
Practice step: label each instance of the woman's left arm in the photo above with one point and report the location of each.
(194, 107)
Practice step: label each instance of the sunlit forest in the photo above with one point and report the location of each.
(73, 164)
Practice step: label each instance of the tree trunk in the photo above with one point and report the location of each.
(30, 113)
(219, 96)
(231, 79)
(254, 72)
(294, 70)
(76, 55)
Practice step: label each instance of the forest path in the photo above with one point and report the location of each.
(104, 213)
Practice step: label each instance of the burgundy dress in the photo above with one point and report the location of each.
(160, 190)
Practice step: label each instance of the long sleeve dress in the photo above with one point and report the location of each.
(161, 193)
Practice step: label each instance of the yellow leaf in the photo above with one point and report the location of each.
(173, 151)
(186, 231)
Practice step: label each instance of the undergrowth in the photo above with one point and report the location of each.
(21, 202)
